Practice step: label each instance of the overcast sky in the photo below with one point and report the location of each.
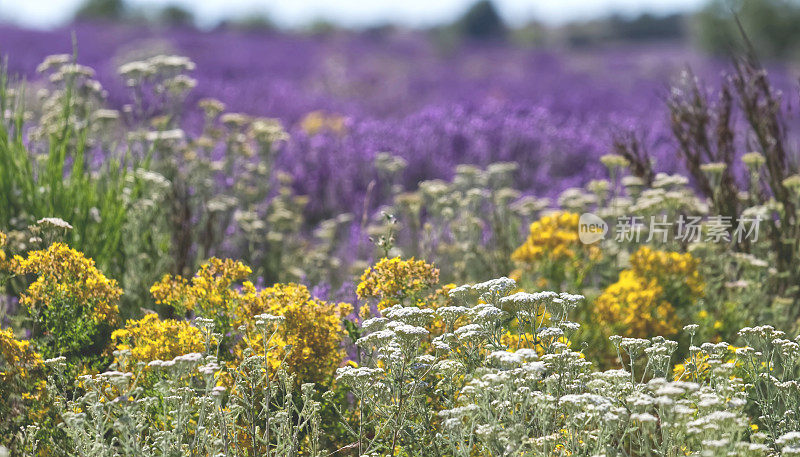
(47, 13)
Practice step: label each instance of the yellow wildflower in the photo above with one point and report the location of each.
(209, 290)
(668, 267)
(309, 339)
(646, 298)
(527, 340)
(22, 386)
(66, 274)
(553, 237)
(392, 280)
(3, 240)
(320, 121)
(17, 356)
(634, 306)
(698, 368)
(554, 251)
(151, 338)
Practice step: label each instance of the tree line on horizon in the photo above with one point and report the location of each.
(770, 25)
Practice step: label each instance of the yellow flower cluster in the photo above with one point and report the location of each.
(311, 333)
(435, 300)
(668, 267)
(151, 338)
(634, 306)
(554, 254)
(22, 384)
(320, 121)
(553, 237)
(65, 273)
(309, 339)
(209, 291)
(698, 368)
(392, 280)
(644, 301)
(527, 340)
(3, 240)
(17, 356)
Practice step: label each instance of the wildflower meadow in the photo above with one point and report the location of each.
(250, 244)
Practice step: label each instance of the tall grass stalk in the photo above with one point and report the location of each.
(60, 181)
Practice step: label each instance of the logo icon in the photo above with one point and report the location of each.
(591, 228)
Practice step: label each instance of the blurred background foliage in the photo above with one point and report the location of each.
(771, 25)
(391, 150)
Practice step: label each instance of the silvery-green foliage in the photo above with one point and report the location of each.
(469, 226)
(146, 234)
(512, 401)
(393, 387)
(225, 194)
(771, 364)
(71, 97)
(176, 408)
(739, 276)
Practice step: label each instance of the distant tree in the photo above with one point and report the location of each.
(175, 15)
(379, 32)
(251, 23)
(586, 34)
(482, 21)
(647, 27)
(112, 10)
(533, 33)
(772, 26)
(322, 27)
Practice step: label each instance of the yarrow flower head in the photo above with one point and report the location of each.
(463, 295)
(493, 290)
(519, 300)
(450, 314)
(266, 319)
(55, 222)
(410, 314)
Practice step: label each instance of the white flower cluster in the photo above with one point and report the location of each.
(466, 393)
(547, 399)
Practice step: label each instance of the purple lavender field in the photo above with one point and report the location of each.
(465, 239)
(553, 112)
(367, 123)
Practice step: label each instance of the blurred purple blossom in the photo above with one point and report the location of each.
(552, 112)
